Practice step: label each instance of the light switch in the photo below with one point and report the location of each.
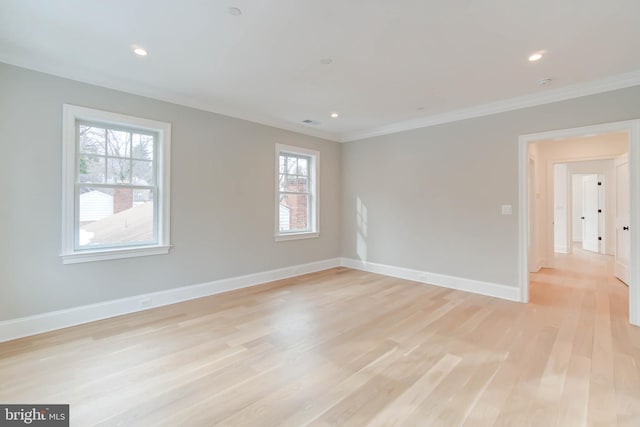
(507, 209)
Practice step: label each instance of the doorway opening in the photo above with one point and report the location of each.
(579, 192)
(584, 202)
(590, 217)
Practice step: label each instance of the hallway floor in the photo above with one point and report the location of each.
(596, 352)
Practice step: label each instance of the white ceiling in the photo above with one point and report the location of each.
(452, 59)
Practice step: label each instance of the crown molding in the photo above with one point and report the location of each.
(578, 90)
(161, 95)
(620, 81)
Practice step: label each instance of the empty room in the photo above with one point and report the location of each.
(319, 213)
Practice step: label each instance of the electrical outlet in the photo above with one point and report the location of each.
(145, 302)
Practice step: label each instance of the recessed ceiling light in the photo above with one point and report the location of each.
(234, 11)
(140, 51)
(536, 56)
(334, 115)
(326, 61)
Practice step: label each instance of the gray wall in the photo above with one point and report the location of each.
(429, 198)
(433, 195)
(222, 199)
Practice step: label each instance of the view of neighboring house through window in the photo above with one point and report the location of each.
(296, 189)
(116, 186)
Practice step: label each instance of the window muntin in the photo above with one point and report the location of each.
(116, 182)
(295, 196)
(296, 192)
(115, 187)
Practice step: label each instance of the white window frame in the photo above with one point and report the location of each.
(71, 115)
(314, 193)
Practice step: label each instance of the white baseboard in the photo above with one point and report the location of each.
(510, 293)
(32, 325)
(536, 268)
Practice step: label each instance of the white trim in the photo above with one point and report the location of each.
(177, 99)
(31, 325)
(314, 191)
(496, 290)
(297, 236)
(631, 126)
(538, 267)
(71, 114)
(578, 90)
(616, 82)
(118, 253)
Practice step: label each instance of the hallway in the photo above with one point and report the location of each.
(581, 272)
(595, 347)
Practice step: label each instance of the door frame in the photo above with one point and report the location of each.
(633, 128)
(616, 163)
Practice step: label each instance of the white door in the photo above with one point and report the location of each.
(622, 236)
(590, 213)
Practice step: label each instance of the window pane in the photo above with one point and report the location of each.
(142, 147)
(283, 160)
(283, 183)
(303, 184)
(142, 196)
(291, 183)
(292, 165)
(91, 139)
(91, 169)
(110, 216)
(294, 212)
(303, 167)
(118, 171)
(142, 172)
(118, 143)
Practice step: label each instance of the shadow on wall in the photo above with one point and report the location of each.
(361, 243)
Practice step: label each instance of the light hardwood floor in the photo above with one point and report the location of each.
(344, 347)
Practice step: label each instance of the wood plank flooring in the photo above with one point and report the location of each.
(345, 347)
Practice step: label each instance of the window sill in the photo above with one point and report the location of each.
(297, 236)
(106, 254)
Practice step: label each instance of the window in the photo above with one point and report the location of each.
(115, 186)
(296, 193)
